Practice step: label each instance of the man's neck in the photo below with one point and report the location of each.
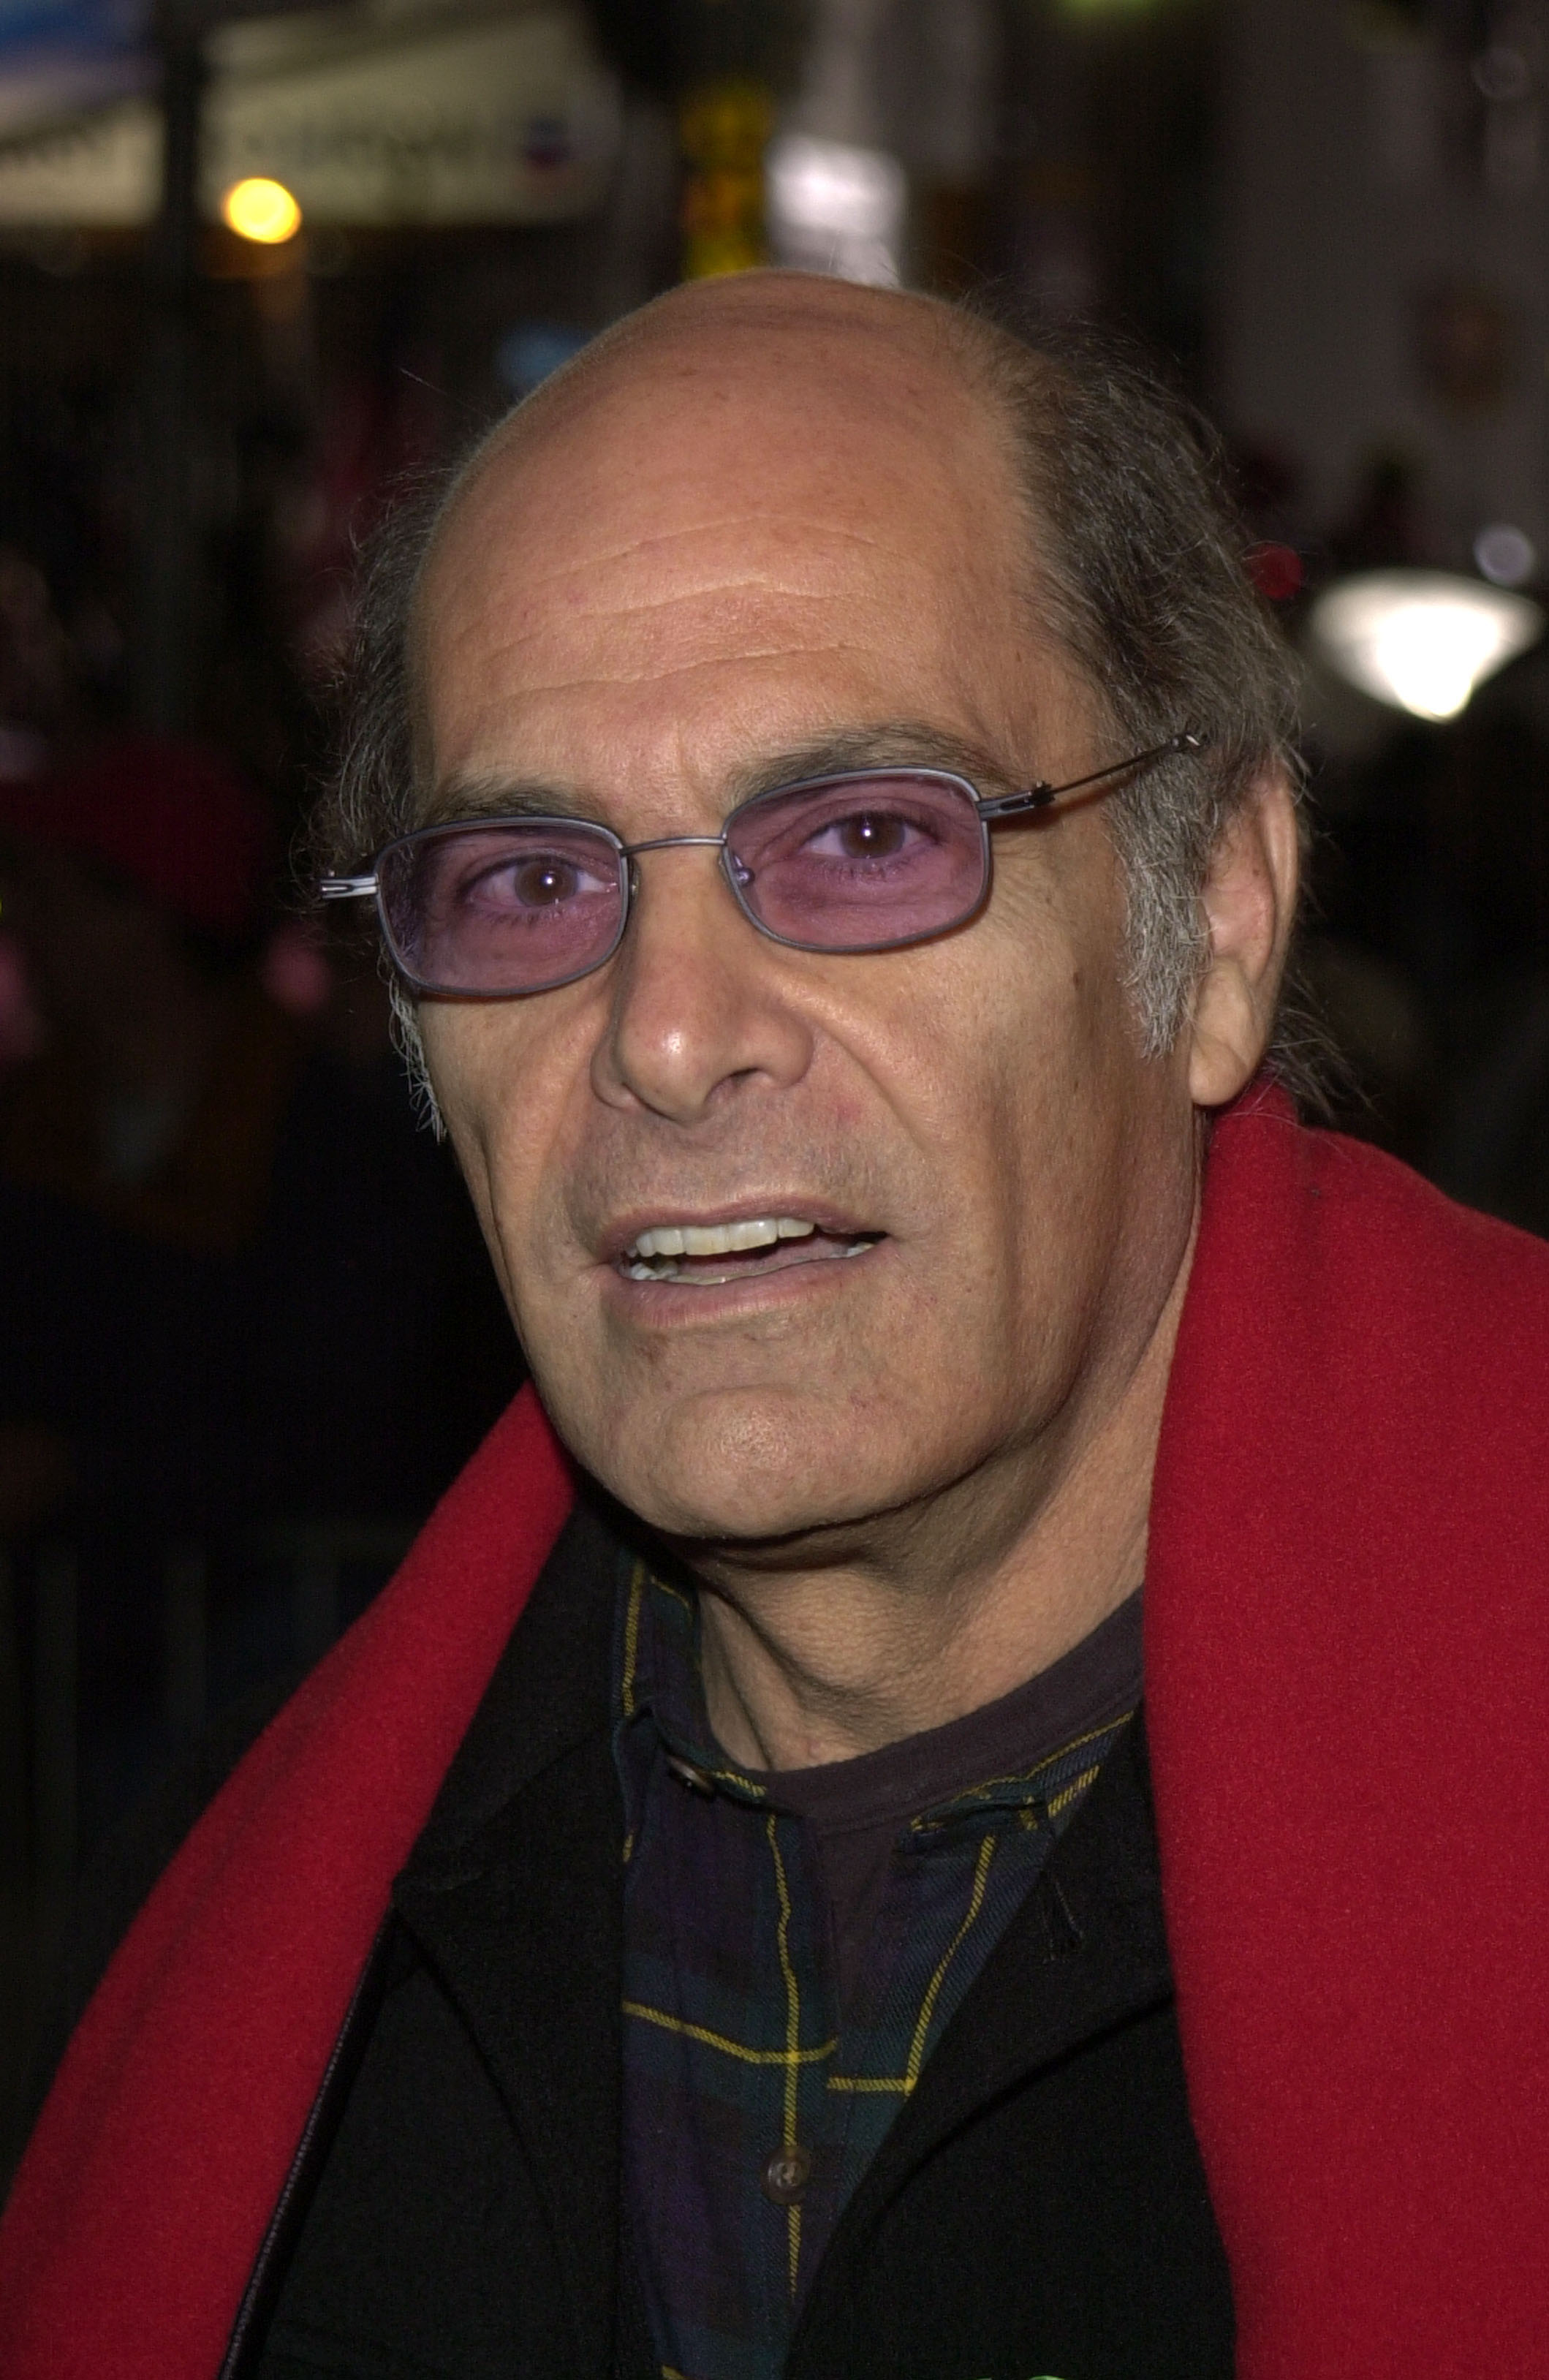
(938, 1610)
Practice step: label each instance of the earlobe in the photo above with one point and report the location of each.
(1249, 902)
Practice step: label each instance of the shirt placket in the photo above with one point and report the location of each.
(778, 2089)
(811, 2110)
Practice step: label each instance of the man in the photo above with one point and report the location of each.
(849, 862)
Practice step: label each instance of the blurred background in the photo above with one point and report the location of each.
(259, 267)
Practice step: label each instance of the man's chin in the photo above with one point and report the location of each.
(747, 1512)
(722, 1469)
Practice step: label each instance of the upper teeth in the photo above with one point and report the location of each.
(717, 1239)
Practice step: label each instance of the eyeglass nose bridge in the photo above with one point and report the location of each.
(631, 851)
(669, 841)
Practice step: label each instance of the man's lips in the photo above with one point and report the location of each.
(709, 1252)
(714, 1271)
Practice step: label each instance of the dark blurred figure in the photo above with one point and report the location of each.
(1429, 955)
(233, 1266)
(1382, 528)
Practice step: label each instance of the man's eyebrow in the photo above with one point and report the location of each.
(889, 743)
(458, 798)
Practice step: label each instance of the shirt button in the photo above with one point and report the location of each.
(698, 1780)
(786, 2174)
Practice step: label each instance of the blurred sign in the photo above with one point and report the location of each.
(58, 55)
(371, 117)
(723, 129)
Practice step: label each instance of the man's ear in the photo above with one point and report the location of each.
(1250, 902)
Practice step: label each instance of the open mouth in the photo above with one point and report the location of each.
(710, 1254)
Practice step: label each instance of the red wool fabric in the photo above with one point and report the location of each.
(1347, 1704)
(1348, 1685)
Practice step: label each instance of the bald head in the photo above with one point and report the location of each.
(777, 459)
(747, 360)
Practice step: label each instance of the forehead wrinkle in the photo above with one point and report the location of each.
(499, 489)
(521, 640)
(651, 606)
(755, 581)
(541, 689)
(648, 542)
(521, 634)
(819, 544)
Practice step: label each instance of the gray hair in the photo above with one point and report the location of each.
(1138, 567)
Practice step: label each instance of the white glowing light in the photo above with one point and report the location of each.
(833, 208)
(1422, 640)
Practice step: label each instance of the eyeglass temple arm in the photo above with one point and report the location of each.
(1038, 798)
(1035, 797)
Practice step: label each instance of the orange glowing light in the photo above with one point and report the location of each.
(261, 210)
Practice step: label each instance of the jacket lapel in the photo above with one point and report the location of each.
(513, 1893)
(1085, 1951)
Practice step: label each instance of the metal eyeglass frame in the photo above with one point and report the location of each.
(990, 811)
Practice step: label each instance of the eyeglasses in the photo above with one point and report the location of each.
(873, 859)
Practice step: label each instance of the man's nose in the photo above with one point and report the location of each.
(702, 1003)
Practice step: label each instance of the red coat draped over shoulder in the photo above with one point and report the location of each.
(1348, 1705)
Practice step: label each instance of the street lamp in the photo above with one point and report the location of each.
(1422, 640)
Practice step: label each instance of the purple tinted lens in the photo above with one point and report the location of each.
(511, 907)
(859, 862)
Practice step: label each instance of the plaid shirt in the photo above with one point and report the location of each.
(751, 2108)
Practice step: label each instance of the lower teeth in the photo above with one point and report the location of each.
(674, 1269)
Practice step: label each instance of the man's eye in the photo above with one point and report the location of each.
(539, 883)
(865, 835)
(545, 880)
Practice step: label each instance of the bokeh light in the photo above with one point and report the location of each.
(261, 210)
(1422, 640)
(1506, 553)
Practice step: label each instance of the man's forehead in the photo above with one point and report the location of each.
(894, 344)
(783, 523)
(767, 397)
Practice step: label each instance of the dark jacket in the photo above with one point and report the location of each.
(1038, 2207)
